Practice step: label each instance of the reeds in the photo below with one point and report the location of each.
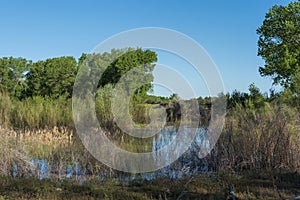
(259, 139)
(35, 113)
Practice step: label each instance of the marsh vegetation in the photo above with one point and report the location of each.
(258, 152)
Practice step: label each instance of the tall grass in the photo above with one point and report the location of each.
(12, 152)
(35, 113)
(5, 109)
(265, 138)
(17, 155)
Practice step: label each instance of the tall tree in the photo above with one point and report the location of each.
(12, 75)
(279, 45)
(35, 79)
(114, 65)
(53, 77)
(141, 60)
(257, 99)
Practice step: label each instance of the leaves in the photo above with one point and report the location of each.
(279, 44)
(12, 75)
(53, 77)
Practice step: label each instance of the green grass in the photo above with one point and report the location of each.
(258, 186)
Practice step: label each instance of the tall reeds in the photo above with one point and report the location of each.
(266, 138)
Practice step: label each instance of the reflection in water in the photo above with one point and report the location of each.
(187, 164)
(40, 166)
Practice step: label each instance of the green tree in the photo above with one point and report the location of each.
(109, 68)
(279, 45)
(53, 77)
(255, 96)
(138, 59)
(12, 76)
(60, 76)
(236, 98)
(91, 68)
(35, 79)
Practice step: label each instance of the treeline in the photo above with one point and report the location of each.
(35, 95)
(21, 78)
(38, 94)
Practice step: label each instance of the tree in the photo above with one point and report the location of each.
(236, 98)
(12, 76)
(279, 45)
(255, 96)
(174, 97)
(111, 67)
(53, 77)
(138, 59)
(35, 80)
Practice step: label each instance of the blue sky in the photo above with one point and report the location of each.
(226, 29)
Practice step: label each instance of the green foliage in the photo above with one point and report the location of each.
(236, 98)
(141, 61)
(5, 109)
(288, 97)
(35, 113)
(255, 99)
(12, 76)
(261, 132)
(53, 77)
(98, 70)
(151, 99)
(37, 95)
(258, 186)
(22, 78)
(279, 45)
(103, 105)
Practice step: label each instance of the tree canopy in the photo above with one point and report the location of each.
(54, 77)
(279, 45)
(12, 75)
(109, 68)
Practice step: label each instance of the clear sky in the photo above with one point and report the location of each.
(226, 29)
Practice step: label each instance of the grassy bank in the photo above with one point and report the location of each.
(258, 186)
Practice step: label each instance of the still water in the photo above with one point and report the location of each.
(187, 164)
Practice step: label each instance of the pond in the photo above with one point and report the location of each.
(187, 164)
